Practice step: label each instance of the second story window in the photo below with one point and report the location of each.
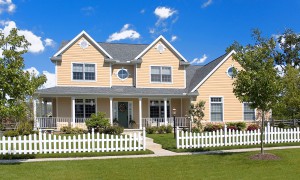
(161, 74)
(83, 71)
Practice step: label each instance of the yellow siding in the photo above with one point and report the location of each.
(219, 84)
(176, 103)
(145, 108)
(185, 106)
(126, 82)
(103, 106)
(64, 107)
(154, 58)
(89, 55)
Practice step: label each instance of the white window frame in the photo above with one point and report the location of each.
(222, 101)
(244, 112)
(119, 71)
(83, 80)
(150, 78)
(159, 99)
(84, 103)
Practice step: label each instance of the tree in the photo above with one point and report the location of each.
(15, 84)
(197, 112)
(289, 49)
(258, 81)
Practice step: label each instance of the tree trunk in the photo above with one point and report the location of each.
(262, 133)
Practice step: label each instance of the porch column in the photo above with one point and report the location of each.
(166, 111)
(40, 107)
(34, 115)
(45, 108)
(111, 110)
(73, 111)
(140, 113)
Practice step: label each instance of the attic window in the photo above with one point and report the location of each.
(123, 74)
(83, 44)
(160, 48)
(230, 71)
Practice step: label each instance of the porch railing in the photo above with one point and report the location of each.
(179, 121)
(58, 122)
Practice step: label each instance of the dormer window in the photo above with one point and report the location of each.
(123, 74)
(83, 71)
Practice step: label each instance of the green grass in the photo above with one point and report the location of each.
(219, 166)
(81, 154)
(168, 142)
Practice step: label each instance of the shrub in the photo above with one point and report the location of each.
(116, 130)
(236, 125)
(212, 127)
(11, 133)
(66, 129)
(195, 130)
(2, 128)
(98, 122)
(161, 129)
(151, 130)
(77, 130)
(252, 127)
(281, 125)
(25, 128)
(169, 129)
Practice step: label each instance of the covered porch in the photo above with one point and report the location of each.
(129, 112)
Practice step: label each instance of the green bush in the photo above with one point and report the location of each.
(212, 127)
(195, 130)
(151, 130)
(69, 130)
(25, 128)
(161, 129)
(281, 125)
(2, 128)
(169, 129)
(116, 130)
(66, 129)
(98, 122)
(11, 133)
(236, 125)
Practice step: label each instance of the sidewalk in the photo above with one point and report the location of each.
(156, 148)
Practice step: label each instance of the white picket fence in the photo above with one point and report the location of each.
(227, 137)
(91, 142)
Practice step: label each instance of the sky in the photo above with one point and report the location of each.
(200, 30)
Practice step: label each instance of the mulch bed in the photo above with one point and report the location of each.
(266, 156)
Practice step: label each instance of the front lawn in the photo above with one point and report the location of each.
(217, 166)
(168, 142)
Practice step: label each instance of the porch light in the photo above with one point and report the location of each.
(174, 121)
(92, 103)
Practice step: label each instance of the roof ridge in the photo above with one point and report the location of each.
(122, 43)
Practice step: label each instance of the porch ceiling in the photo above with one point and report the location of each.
(115, 91)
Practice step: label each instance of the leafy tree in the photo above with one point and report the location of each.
(15, 84)
(197, 112)
(289, 53)
(258, 81)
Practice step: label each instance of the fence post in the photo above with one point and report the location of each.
(93, 140)
(225, 135)
(177, 137)
(144, 138)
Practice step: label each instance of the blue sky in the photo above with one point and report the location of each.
(199, 29)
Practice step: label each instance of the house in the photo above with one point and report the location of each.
(137, 82)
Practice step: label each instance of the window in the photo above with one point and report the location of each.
(157, 109)
(161, 74)
(84, 108)
(249, 113)
(216, 109)
(230, 71)
(83, 71)
(123, 74)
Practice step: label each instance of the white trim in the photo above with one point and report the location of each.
(140, 112)
(159, 99)
(184, 80)
(223, 118)
(111, 110)
(154, 42)
(166, 110)
(158, 87)
(135, 75)
(76, 85)
(83, 33)
(228, 70)
(79, 80)
(160, 74)
(73, 110)
(55, 73)
(211, 72)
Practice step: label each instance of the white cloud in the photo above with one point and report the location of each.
(164, 12)
(51, 78)
(7, 6)
(173, 38)
(36, 42)
(89, 10)
(124, 33)
(142, 11)
(280, 70)
(199, 60)
(49, 42)
(207, 3)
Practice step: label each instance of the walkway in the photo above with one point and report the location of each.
(156, 148)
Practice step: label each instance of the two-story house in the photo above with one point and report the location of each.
(137, 82)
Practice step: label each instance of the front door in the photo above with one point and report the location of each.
(123, 114)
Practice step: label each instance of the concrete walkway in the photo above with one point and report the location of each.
(156, 148)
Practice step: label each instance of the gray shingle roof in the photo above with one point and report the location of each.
(113, 91)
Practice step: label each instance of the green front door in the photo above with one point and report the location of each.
(123, 114)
